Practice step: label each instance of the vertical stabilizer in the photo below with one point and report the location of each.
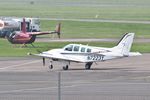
(124, 45)
(57, 29)
(23, 27)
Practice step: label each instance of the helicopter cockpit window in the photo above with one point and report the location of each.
(69, 48)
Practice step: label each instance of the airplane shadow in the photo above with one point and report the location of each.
(100, 69)
(31, 46)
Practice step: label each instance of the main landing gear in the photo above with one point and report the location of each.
(88, 65)
(65, 67)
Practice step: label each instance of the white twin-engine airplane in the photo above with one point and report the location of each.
(89, 54)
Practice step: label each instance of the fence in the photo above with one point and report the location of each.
(74, 85)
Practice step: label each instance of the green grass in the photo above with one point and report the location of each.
(80, 9)
(75, 29)
(7, 49)
(141, 47)
(86, 9)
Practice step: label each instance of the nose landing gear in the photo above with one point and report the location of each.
(50, 66)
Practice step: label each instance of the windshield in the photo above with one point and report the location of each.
(68, 48)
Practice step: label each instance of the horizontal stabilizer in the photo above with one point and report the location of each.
(124, 45)
(134, 54)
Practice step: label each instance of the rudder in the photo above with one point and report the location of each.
(125, 43)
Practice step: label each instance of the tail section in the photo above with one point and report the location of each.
(124, 45)
(58, 29)
(23, 26)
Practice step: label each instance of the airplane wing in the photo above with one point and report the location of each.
(78, 57)
(64, 58)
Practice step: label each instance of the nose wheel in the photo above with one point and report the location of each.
(50, 66)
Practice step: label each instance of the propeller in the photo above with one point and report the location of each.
(43, 61)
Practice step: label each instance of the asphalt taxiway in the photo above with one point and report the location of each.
(30, 63)
(24, 78)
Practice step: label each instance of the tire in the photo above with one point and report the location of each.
(50, 66)
(65, 67)
(88, 65)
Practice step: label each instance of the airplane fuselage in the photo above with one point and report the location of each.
(80, 53)
(89, 54)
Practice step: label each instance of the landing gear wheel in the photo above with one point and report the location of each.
(50, 66)
(88, 65)
(65, 67)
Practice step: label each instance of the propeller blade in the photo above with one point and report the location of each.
(43, 61)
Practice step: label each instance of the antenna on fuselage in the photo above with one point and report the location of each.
(88, 43)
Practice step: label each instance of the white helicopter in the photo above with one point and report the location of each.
(89, 54)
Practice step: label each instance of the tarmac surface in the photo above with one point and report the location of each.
(24, 78)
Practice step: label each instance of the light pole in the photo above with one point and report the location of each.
(59, 85)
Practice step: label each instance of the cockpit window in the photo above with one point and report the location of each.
(88, 50)
(69, 48)
(82, 49)
(76, 48)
